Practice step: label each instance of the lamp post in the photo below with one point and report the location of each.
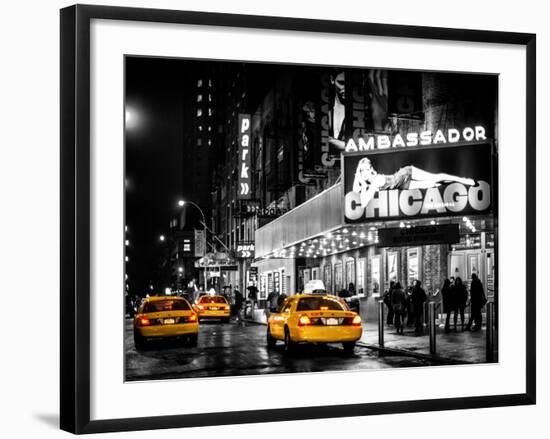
(182, 203)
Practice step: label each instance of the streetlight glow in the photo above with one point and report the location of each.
(162, 237)
(181, 203)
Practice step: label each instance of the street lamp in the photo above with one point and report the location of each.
(182, 203)
(162, 237)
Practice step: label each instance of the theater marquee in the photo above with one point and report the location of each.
(420, 182)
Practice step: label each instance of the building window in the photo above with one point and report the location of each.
(210, 111)
(200, 127)
(199, 142)
(209, 97)
(199, 112)
(209, 128)
(199, 98)
(209, 142)
(199, 83)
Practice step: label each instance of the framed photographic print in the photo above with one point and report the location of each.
(204, 185)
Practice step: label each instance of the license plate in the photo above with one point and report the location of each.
(169, 321)
(214, 308)
(331, 322)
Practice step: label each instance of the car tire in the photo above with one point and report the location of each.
(139, 341)
(270, 340)
(290, 346)
(349, 347)
(193, 340)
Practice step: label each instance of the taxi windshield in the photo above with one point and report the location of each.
(166, 305)
(318, 303)
(216, 299)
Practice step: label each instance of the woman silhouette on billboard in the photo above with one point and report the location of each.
(367, 181)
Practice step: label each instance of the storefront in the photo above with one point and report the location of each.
(429, 217)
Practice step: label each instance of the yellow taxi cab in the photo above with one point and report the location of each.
(314, 317)
(165, 316)
(213, 307)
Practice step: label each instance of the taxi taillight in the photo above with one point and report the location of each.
(304, 321)
(144, 321)
(356, 320)
(192, 318)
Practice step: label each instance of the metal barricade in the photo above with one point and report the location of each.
(490, 332)
(381, 323)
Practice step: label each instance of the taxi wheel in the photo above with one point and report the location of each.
(290, 346)
(349, 347)
(139, 341)
(270, 340)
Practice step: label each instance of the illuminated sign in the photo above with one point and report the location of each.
(419, 235)
(245, 249)
(439, 137)
(413, 183)
(244, 182)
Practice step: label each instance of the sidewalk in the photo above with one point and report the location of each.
(452, 348)
(463, 347)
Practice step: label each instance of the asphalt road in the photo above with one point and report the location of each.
(233, 349)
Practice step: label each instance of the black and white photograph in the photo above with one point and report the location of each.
(294, 218)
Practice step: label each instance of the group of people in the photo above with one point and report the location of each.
(402, 304)
(455, 299)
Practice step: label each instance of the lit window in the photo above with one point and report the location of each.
(200, 127)
(209, 128)
(209, 83)
(210, 111)
(199, 142)
(199, 83)
(199, 98)
(209, 142)
(199, 112)
(209, 97)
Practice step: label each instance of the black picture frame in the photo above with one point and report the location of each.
(75, 217)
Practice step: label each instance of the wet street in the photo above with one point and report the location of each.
(230, 349)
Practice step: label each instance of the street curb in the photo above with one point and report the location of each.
(395, 351)
(420, 356)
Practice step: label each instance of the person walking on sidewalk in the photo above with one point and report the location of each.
(460, 294)
(387, 302)
(449, 305)
(399, 305)
(478, 301)
(418, 298)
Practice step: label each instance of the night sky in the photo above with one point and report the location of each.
(154, 139)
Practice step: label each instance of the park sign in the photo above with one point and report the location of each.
(245, 249)
(244, 189)
(423, 182)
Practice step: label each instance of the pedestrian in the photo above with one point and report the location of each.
(449, 305)
(252, 297)
(477, 301)
(272, 298)
(387, 301)
(418, 298)
(238, 302)
(460, 295)
(281, 299)
(399, 305)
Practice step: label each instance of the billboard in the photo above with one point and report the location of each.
(244, 191)
(408, 183)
